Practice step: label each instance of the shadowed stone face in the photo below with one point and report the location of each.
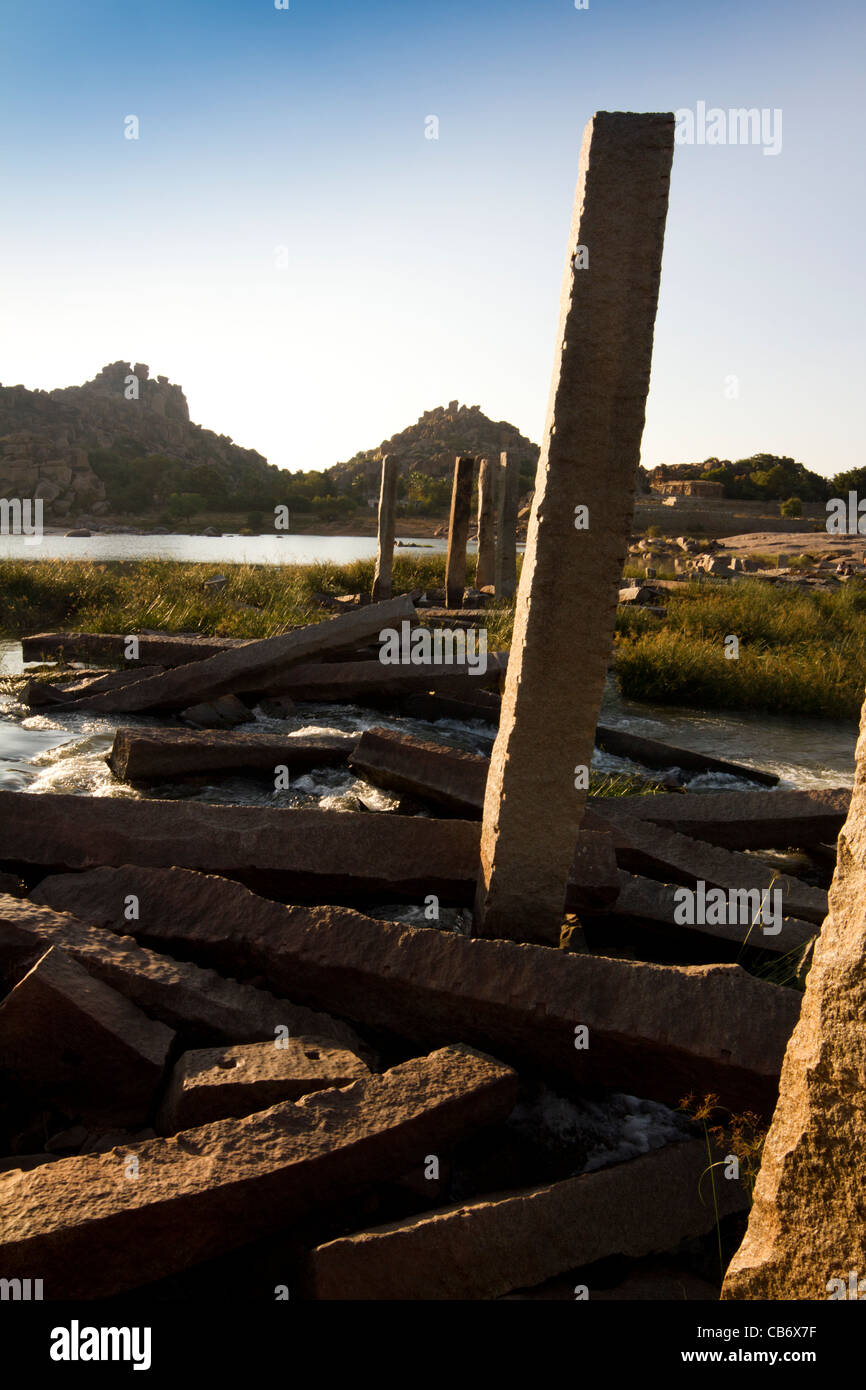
(580, 523)
(807, 1231)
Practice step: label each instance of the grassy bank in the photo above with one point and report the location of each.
(799, 652)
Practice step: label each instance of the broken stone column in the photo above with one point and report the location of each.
(458, 532)
(580, 525)
(387, 521)
(485, 568)
(508, 497)
(806, 1237)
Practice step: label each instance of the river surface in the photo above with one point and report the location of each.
(222, 550)
(63, 752)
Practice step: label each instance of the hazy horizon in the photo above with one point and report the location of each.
(285, 242)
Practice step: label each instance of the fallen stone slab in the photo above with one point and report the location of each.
(806, 1237)
(365, 680)
(99, 1224)
(651, 752)
(197, 1003)
(646, 848)
(214, 1083)
(310, 854)
(739, 820)
(147, 755)
(652, 1030)
(251, 665)
(484, 705)
(39, 694)
(647, 901)
(162, 649)
(448, 777)
(80, 1043)
(484, 1249)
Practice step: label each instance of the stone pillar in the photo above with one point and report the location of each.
(508, 487)
(579, 527)
(806, 1237)
(387, 518)
(458, 532)
(486, 563)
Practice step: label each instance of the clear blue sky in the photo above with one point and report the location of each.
(422, 270)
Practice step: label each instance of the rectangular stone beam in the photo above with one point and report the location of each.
(507, 502)
(102, 1223)
(198, 1003)
(251, 665)
(458, 532)
(80, 1043)
(650, 1030)
(162, 649)
(387, 524)
(737, 820)
(143, 755)
(485, 566)
(580, 523)
(362, 680)
(485, 1248)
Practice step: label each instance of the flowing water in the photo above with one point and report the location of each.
(64, 752)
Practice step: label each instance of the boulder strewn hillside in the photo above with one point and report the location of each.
(117, 444)
(427, 451)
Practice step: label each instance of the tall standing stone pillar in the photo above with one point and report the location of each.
(506, 525)
(806, 1237)
(458, 532)
(579, 527)
(387, 522)
(486, 563)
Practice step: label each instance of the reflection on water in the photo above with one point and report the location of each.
(225, 550)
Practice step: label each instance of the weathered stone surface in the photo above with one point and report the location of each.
(364, 680)
(650, 902)
(458, 532)
(507, 501)
(646, 848)
(163, 649)
(580, 524)
(447, 777)
(657, 1031)
(807, 1226)
(387, 522)
(226, 712)
(652, 753)
(141, 755)
(317, 855)
(739, 820)
(483, 1249)
(177, 993)
(81, 1043)
(214, 1083)
(436, 707)
(251, 665)
(485, 565)
(39, 694)
(89, 1229)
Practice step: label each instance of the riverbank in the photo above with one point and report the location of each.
(798, 652)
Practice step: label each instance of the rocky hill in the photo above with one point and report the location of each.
(430, 447)
(122, 442)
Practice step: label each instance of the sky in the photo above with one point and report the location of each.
(286, 240)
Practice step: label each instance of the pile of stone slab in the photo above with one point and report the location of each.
(222, 1051)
